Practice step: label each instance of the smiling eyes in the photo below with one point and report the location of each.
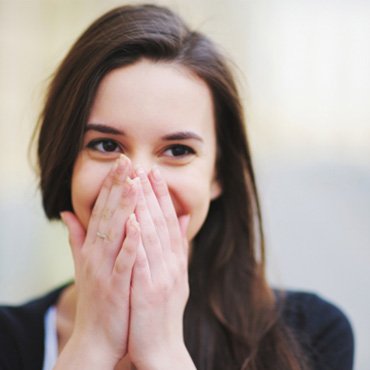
(107, 146)
(178, 150)
(104, 146)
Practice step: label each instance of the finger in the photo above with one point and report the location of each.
(99, 204)
(165, 202)
(149, 237)
(154, 210)
(122, 271)
(120, 189)
(75, 230)
(111, 232)
(116, 230)
(141, 275)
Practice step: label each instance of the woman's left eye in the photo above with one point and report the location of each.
(104, 146)
(179, 150)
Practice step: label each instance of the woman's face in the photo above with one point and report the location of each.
(156, 114)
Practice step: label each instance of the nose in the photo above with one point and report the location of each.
(142, 160)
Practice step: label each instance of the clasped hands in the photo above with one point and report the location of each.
(131, 275)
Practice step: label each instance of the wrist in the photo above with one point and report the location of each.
(177, 358)
(82, 353)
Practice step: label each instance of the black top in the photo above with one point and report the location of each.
(322, 328)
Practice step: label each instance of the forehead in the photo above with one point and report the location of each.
(156, 94)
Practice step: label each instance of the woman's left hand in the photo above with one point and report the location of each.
(160, 286)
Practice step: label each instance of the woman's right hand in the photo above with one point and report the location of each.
(104, 256)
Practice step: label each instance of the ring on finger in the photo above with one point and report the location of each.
(102, 236)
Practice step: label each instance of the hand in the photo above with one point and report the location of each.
(160, 281)
(104, 257)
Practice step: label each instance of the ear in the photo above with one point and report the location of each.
(216, 189)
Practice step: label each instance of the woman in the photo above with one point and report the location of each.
(143, 154)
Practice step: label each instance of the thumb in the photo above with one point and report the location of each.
(75, 229)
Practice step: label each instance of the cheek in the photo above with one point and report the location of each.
(197, 220)
(191, 197)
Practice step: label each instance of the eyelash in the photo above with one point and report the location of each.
(187, 149)
(95, 143)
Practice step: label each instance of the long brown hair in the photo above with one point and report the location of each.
(232, 320)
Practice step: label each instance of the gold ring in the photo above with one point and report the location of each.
(102, 236)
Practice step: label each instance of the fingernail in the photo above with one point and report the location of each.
(130, 181)
(119, 161)
(133, 217)
(134, 181)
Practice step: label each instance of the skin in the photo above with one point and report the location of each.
(144, 179)
(148, 101)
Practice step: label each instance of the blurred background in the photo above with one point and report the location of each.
(304, 73)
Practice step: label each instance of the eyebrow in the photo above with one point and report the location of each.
(104, 129)
(180, 135)
(183, 135)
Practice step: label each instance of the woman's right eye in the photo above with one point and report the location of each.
(104, 146)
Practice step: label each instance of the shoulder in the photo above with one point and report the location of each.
(22, 332)
(322, 328)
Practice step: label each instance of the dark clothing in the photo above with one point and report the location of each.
(22, 333)
(322, 328)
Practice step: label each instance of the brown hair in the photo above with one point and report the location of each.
(232, 320)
